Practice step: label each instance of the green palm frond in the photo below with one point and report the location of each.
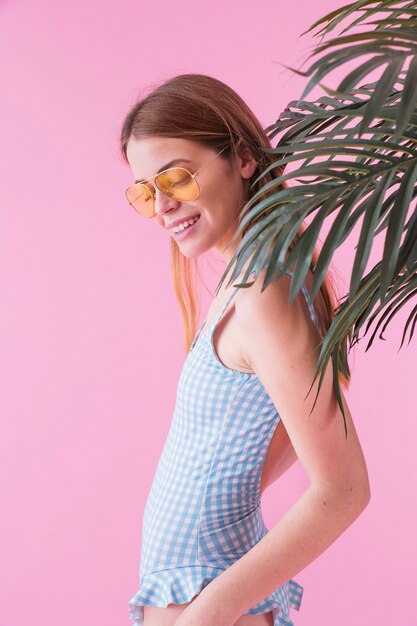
(392, 42)
(354, 157)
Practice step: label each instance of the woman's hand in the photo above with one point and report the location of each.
(203, 613)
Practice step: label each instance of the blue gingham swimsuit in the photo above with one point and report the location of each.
(203, 510)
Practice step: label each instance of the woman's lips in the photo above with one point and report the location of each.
(180, 235)
(181, 221)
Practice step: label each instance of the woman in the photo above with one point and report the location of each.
(241, 417)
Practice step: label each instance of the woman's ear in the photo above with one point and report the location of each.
(246, 161)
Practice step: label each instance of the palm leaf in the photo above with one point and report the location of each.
(354, 157)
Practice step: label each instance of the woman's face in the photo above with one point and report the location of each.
(223, 187)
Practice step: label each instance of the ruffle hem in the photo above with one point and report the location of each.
(180, 584)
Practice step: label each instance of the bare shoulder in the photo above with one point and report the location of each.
(281, 344)
(266, 313)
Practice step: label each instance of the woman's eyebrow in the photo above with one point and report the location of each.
(165, 167)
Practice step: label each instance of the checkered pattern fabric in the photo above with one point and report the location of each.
(203, 511)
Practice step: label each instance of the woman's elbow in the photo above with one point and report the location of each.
(364, 486)
(360, 493)
(365, 490)
(353, 496)
(357, 479)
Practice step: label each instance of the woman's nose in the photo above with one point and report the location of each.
(163, 201)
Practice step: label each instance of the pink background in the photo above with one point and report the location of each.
(89, 362)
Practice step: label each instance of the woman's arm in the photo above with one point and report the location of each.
(280, 344)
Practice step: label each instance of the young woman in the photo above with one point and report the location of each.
(241, 418)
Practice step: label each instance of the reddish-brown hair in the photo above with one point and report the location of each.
(200, 108)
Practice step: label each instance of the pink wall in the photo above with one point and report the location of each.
(89, 365)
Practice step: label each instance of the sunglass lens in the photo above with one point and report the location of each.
(140, 197)
(177, 183)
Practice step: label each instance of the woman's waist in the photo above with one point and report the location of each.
(225, 534)
(230, 490)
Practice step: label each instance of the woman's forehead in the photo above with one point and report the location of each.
(155, 146)
(148, 155)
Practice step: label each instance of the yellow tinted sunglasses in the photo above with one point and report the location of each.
(176, 182)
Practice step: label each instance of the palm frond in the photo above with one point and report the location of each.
(354, 158)
(391, 42)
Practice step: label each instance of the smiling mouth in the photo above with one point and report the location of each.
(186, 224)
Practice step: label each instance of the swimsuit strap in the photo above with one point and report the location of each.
(215, 320)
(223, 308)
(220, 312)
(308, 300)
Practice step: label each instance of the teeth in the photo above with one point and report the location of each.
(183, 225)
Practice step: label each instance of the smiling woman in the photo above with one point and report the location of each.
(176, 182)
(241, 417)
(197, 194)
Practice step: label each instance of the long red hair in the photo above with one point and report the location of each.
(201, 108)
